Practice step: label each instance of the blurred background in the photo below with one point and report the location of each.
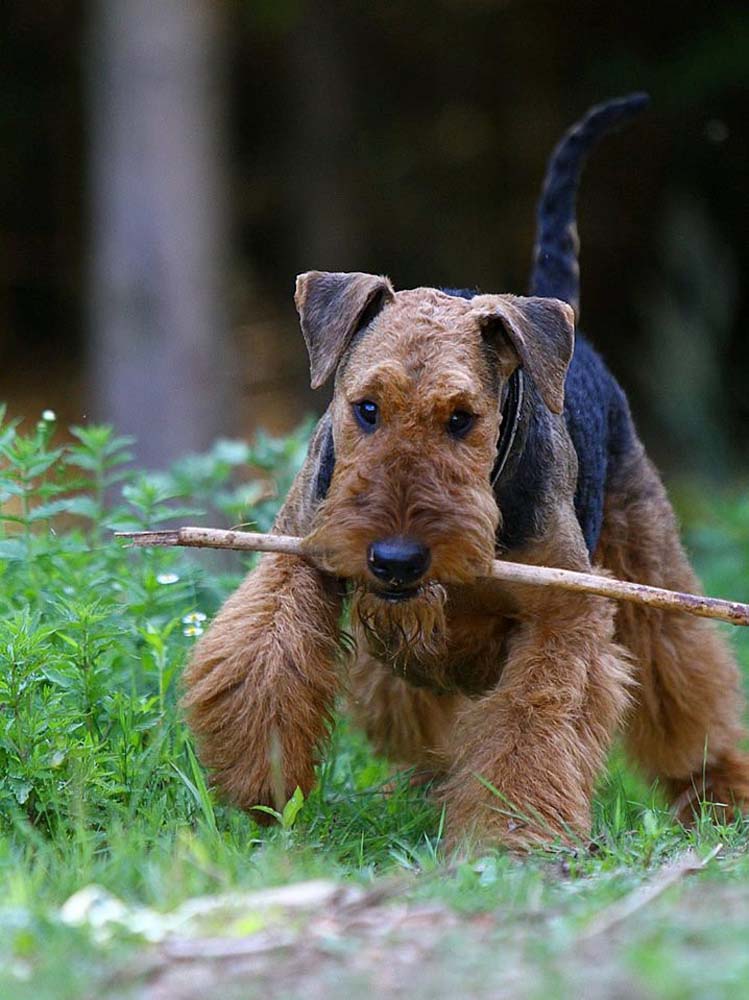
(168, 167)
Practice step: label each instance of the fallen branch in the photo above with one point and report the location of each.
(508, 572)
(620, 911)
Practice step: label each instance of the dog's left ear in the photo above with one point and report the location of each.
(541, 333)
(332, 306)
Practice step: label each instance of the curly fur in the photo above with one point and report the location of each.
(510, 695)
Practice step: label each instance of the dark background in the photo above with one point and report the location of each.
(167, 168)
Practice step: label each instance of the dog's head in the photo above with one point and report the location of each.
(420, 377)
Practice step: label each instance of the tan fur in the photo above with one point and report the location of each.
(540, 738)
(490, 687)
(275, 681)
(685, 728)
(411, 726)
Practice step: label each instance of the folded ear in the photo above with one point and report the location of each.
(541, 333)
(332, 306)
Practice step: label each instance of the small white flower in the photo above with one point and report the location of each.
(194, 618)
(20, 970)
(192, 630)
(49, 416)
(167, 578)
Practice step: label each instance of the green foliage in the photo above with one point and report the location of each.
(93, 636)
(96, 765)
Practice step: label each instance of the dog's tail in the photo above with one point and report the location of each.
(556, 273)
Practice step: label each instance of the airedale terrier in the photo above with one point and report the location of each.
(464, 427)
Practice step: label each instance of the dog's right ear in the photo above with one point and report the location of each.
(332, 306)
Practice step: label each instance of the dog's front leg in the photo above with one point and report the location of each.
(526, 755)
(261, 682)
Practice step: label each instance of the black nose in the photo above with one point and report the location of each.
(398, 561)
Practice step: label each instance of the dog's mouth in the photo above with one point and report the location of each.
(396, 595)
(404, 628)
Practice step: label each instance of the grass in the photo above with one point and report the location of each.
(99, 782)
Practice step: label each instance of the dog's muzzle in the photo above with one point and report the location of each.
(399, 564)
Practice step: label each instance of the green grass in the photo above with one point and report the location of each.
(99, 782)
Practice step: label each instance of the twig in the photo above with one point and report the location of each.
(508, 572)
(216, 538)
(622, 909)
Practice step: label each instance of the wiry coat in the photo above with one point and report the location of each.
(487, 686)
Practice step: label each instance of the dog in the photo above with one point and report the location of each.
(465, 427)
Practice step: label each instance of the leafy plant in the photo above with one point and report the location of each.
(93, 636)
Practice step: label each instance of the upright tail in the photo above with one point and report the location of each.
(556, 273)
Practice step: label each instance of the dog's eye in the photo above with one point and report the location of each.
(366, 414)
(460, 423)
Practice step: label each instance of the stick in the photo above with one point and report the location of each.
(622, 909)
(535, 576)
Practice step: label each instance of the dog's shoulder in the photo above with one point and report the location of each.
(322, 452)
(599, 425)
(312, 482)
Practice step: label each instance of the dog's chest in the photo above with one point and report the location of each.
(468, 660)
(476, 651)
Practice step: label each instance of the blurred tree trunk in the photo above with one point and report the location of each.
(325, 220)
(160, 350)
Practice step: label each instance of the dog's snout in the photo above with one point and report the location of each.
(398, 561)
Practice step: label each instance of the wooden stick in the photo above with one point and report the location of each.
(621, 910)
(508, 572)
(217, 538)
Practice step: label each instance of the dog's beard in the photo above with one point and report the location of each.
(409, 636)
